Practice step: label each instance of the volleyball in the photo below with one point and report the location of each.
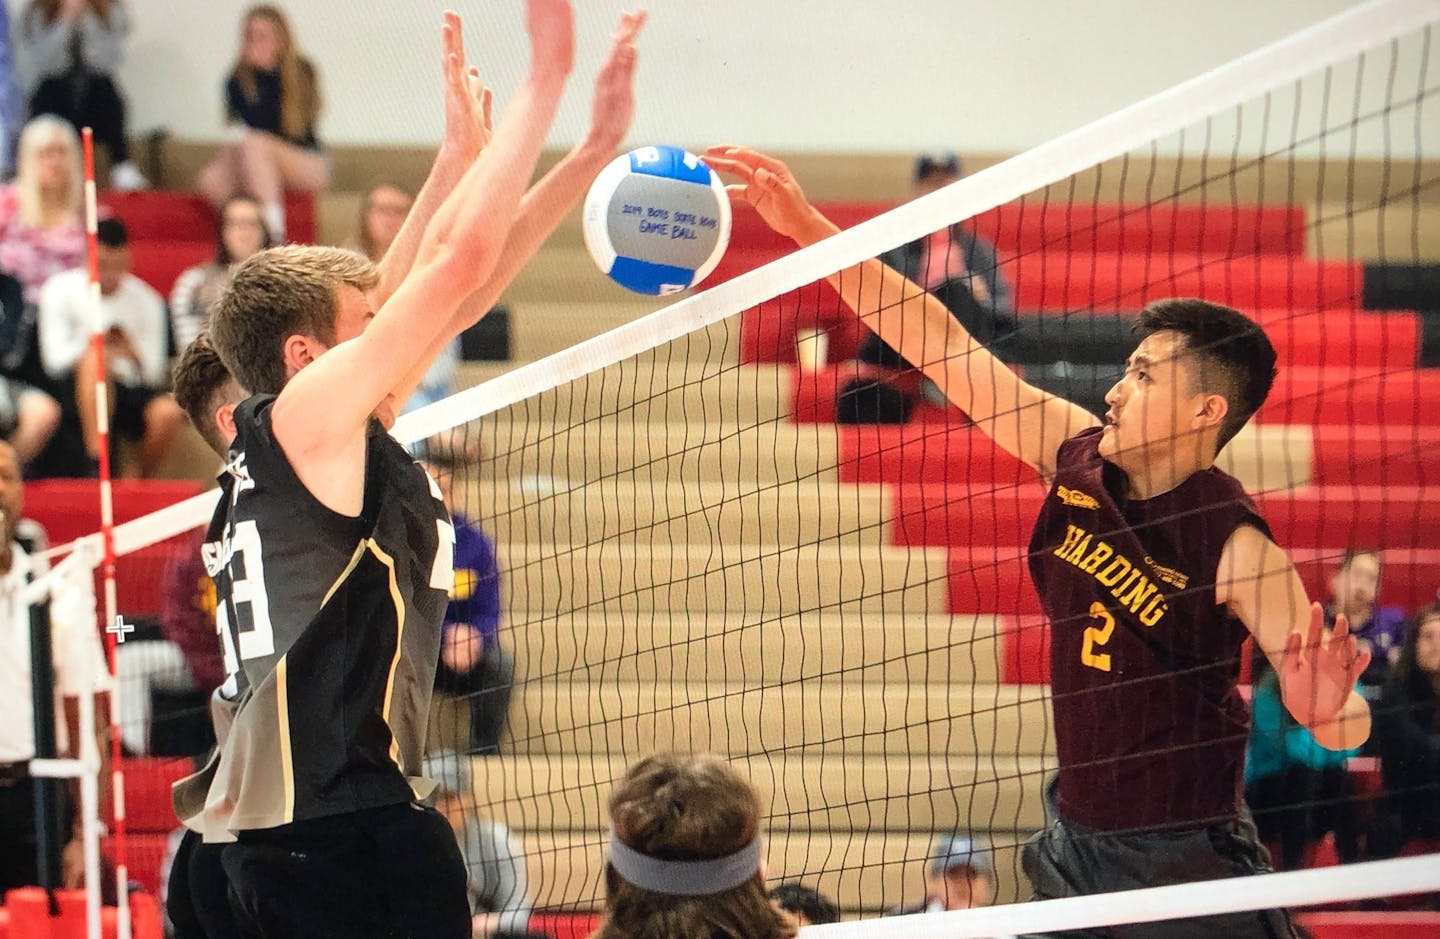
(657, 220)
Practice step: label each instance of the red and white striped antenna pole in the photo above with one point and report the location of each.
(107, 534)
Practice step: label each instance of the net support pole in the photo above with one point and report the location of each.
(47, 803)
(107, 536)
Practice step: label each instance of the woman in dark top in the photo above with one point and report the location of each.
(1407, 736)
(272, 98)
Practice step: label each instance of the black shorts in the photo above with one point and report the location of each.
(1066, 860)
(392, 872)
(197, 897)
(130, 404)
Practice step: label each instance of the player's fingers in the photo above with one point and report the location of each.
(1342, 627)
(487, 101)
(756, 158)
(1291, 658)
(739, 193)
(734, 167)
(1358, 666)
(630, 26)
(1316, 632)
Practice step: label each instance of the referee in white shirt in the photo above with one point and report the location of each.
(79, 668)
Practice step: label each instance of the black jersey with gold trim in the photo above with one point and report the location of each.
(331, 626)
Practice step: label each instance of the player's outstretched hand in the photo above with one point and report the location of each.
(551, 24)
(766, 184)
(1318, 674)
(467, 100)
(614, 105)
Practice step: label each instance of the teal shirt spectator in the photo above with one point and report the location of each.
(1278, 742)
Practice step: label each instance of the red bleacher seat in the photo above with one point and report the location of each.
(70, 508)
(27, 916)
(144, 854)
(928, 453)
(1366, 925)
(147, 793)
(565, 925)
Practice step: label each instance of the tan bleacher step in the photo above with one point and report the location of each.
(833, 716)
(554, 457)
(1398, 233)
(754, 648)
(1270, 456)
(718, 577)
(654, 391)
(798, 792)
(538, 329)
(861, 870)
(804, 512)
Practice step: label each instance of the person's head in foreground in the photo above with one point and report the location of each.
(808, 906)
(207, 393)
(286, 307)
(958, 875)
(1201, 370)
(684, 858)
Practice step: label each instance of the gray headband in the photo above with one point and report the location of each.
(685, 878)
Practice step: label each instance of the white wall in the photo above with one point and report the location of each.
(821, 75)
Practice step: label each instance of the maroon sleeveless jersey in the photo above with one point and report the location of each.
(1149, 725)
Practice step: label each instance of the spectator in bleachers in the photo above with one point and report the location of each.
(75, 48)
(685, 855)
(806, 905)
(958, 876)
(242, 233)
(29, 416)
(497, 880)
(272, 98)
(1354, 591)
(473, 663)
(136, 344)
(1407, 732)
(382, 212)
(41, 232)
(79, 668)
(12, 105)
(1298, 790)
(955, 264)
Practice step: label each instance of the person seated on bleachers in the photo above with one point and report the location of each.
(272, 99)
(242, 233)
(29, 416)
(1407, 732)
(136, 345)
(1298, 790)
(806, 905)
(498, 883)
(958, 876)
(685, 855)
(75, 49)
(1354, 590)
(41, 231)
(473, 664)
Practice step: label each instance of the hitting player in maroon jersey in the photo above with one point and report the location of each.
(1152, 566)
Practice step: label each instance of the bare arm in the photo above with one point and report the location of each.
(545, 206)
(320, 417)
(1023, 420)
(467, 130)
(1317, 677)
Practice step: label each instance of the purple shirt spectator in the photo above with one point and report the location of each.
(475, 599)
(188, 616)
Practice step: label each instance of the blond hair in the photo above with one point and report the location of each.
(41, 132)
(279, 293)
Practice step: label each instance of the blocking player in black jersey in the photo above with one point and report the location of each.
(331, 548)
(1152, 566)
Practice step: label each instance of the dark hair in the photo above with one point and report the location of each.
(198, 378)
(941, 164)
(222, 253)
(1236, 359)
(684, 807)
(807, 902)
(111, 233)
(1406, 673)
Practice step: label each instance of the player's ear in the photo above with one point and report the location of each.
(1210, 411)
(225, 420)
(299, 351)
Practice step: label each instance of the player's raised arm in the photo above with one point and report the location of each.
(322, 413)
(1027, 422)
(1257, 581)
(545, 205)
(467, 130)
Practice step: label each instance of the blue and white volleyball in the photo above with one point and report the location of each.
(657, 220)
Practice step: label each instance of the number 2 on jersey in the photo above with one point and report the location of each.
(1096, 636)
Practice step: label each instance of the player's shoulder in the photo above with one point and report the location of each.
(1083, 449)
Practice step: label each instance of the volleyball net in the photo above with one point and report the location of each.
(740, 524)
